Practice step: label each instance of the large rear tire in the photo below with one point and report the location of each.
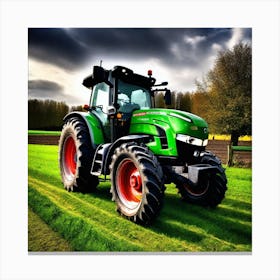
(75, 157)
(211, 190)
(137, 183)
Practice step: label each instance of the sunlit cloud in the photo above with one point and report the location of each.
(237, 35)
(194, 40)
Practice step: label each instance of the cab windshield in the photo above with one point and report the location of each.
(132, 97)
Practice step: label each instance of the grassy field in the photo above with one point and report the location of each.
(89, 222)
(44, 132)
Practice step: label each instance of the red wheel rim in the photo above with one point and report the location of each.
(129, 184)
(70, 157)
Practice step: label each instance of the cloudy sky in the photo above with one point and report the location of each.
(60, 58)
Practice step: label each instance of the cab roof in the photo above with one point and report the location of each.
(120, 72)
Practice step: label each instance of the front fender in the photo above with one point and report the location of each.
(125, 139)
(93, 124)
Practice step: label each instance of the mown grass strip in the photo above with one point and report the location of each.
(106, 220)
(180, 226)
(182, 230)
(82, 234)
(42, 238)
(67, 201)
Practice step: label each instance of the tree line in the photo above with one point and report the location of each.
(47, 114)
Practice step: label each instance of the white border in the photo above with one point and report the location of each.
(17, 16)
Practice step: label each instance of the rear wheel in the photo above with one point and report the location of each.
(212, 188)
(75, 157)
(137, 183)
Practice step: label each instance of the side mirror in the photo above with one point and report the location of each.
(161, 84)
(101, 75)
(167, 97)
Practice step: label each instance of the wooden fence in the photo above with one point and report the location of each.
(218, 147)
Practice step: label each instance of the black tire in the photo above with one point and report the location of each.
(137, 183)
(75, 157)
(212, 190)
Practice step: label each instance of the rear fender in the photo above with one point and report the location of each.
(93, 125)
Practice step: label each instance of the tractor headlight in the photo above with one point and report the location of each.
(191, 140)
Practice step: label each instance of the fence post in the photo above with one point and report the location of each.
(230, 155)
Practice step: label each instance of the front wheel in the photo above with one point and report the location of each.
(211, 189)
(137, 183)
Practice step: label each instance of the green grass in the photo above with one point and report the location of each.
(44, 132)
(89, 222)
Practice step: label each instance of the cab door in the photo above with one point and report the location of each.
(100, 100)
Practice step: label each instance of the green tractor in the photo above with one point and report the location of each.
(139, 147)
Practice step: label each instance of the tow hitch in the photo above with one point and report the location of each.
(200, 172)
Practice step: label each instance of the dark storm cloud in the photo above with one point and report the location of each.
(71, 48)
(44, 85)
(44, 89)
(169, 45)
(122, 41)
(55, 46)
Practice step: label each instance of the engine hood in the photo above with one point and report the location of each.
(179, 122)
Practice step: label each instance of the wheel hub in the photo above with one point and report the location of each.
(135, 180)
(129, 183)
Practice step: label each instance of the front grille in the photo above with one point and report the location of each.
(186, 151)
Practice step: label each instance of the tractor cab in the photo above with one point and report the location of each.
(116, 94)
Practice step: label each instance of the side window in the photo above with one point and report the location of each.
(140, 97)
(100, 96)
(132, 97)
